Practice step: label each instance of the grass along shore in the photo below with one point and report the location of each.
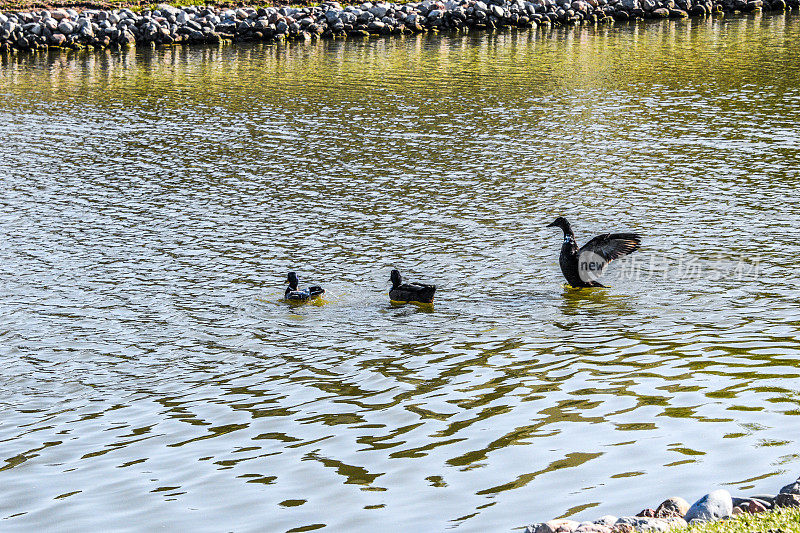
(785, 520)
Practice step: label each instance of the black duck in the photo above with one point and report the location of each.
(410, 292)
(293, 294)
(582, 266)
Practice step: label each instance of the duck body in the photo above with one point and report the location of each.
(568, 261)
(410, 292)
(301, 295)
(581, 266)
(295, 294)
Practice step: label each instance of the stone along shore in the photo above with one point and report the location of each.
(167, 25)
(676, 513)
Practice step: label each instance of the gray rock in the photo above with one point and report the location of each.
(766, 499)
(675, 506)
(331, 16)
(379, 10)
(553, 526)
(498, 11)
(126, 38)
(168, 9)
(480, 6)
(792, 488)
(715, 505)
(58, 39)
(641, 523)
(787, 499)
(590, 527)
(607, 520)
(66, 27)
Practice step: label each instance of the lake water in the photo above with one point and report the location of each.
(154, 200)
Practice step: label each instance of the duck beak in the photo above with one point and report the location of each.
(552, 224)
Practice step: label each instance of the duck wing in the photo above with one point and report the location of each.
(416, 286)
(605, 248)
(612, 246)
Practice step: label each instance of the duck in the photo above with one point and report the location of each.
(582, 266)
(409, 292)
(293, 294)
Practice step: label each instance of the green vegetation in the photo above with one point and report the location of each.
(780, 521)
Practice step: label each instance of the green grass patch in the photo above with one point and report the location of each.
(779, 521)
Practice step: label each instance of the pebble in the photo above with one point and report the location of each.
(675, 506)
(786, 499)
(593, 528)
(168, 25)
(673, 512)
(554, 526)
(767, 499)
(642, 523)
(715, 505)
(755, 507)
(607, 520)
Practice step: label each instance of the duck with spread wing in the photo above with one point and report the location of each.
(582, 266)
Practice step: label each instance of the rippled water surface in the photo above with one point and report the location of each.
(153, 201)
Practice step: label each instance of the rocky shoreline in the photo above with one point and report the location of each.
(169, 25)
(676, 512)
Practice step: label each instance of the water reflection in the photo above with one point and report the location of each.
(155, 200)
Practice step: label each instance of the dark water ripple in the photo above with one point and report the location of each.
(153, 201)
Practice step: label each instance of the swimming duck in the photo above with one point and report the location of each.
(300, 295)
(582, 266)
(410, 292)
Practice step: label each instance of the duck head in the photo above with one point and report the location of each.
(396, 278)
(562, 223)
(291, 279)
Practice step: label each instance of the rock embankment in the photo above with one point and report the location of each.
(167, 25)
(676, 512)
